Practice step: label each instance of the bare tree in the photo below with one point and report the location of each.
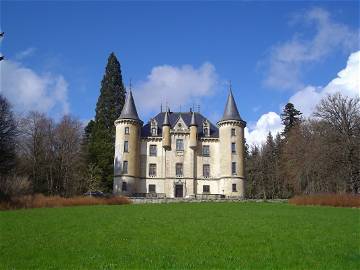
(69, 165)
(36, 151)
(343, 115)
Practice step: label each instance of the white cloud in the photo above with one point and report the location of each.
(28, 90)
(347, 82)
(269, 122)
(287, 60)
(175, 86)
(26, 53)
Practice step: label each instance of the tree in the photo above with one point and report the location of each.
(100, 133)
(37, 153)
(8, 133)
(290, 117)
(343, 116)
(69, 165)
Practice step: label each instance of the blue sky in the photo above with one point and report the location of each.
(182, 53)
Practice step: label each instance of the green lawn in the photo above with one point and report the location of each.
(182, 236)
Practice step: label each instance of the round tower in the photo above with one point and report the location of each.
(193, 132)
(166, 139)
(231, 136)
(127, 149)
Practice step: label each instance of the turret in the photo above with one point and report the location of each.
(166, 139)
(127, 148)
(193, 132)
(231, 135)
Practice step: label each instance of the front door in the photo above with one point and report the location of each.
(178, 191)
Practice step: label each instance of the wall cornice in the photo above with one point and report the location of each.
(240, 123)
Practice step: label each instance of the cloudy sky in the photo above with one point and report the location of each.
(181, 54)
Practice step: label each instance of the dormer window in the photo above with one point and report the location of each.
(206, 129)
(154, 128)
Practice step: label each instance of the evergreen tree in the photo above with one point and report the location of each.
(8, 133)
(100, 134)
(290, 117)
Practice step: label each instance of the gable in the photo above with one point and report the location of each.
(180, 125)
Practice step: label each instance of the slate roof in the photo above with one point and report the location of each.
(173, 117)
(129, 110)
(231, 112)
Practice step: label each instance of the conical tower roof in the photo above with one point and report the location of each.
(129, 109)
(231, 112)
(193, 121)
(166, 119)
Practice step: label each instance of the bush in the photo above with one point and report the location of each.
(13, 186)
(337, 200)
(39, 201)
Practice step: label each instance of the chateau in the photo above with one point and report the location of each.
(179, 154)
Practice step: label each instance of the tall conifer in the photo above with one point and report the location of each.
(290, 117)
(100, 133)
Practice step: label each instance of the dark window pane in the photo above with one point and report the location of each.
(233, 132)
(126, 146)
(153, 150)
(152, 169)
(233, 167)
(206, 189)
(179, 169)
(152, 188)
(206, 170)
(127, 130)
(179, 145)
(124, 186)
(234, 187)
(233, 148)
(125, 167)
(206, 150)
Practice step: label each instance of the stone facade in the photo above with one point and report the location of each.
(179, 154)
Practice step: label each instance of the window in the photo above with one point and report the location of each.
(152, 169)
(233, 187)
(206, 133)
(206, 128)
(179, 145)
(124, 186)
(127, 130)
(126, 146)
(152, 188)
(179, 169)
(153, 132)
(233, 168)
(206, 170)
(233, 148)
(206, 189)
(125, 166)
(233, 133)
(206, 150)
(153, 150)
(154, 127)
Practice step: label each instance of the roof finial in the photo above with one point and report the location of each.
(130, 85)
(230, 85)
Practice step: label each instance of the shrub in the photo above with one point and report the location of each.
(337, 200)
(39, 201)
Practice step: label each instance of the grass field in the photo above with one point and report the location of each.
(182, 236)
